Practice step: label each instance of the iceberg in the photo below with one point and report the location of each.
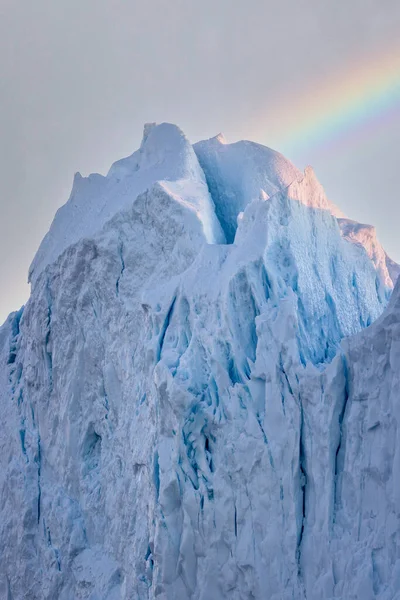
(200, 397)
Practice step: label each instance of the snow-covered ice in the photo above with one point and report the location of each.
(192, 404)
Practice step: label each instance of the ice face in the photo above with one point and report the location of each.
(189, 418)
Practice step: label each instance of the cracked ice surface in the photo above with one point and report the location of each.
(181, 418)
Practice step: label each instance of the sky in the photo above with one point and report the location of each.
(317, 81)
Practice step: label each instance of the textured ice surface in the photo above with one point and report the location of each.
(181, 418)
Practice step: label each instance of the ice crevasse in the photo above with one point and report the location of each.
(200, 397)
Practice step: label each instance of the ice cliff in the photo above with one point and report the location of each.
(192, 405)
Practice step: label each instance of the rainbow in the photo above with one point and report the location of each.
(338, 111)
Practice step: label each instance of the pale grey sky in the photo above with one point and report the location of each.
(78, 78)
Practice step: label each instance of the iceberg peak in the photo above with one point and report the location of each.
(165, 154)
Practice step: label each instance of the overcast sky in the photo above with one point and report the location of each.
(78, 78)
